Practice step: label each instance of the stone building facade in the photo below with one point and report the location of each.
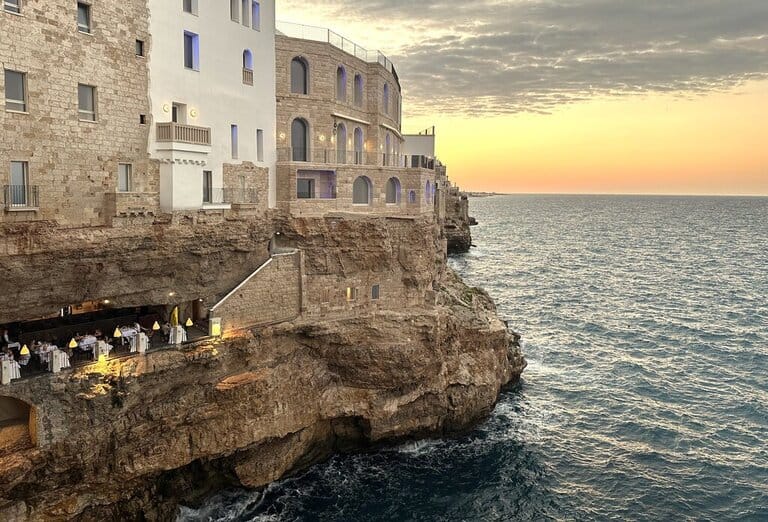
(340, 147)
(59, 158)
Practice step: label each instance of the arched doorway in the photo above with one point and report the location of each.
(18, 425)
(393, 191)
(361, 191)
(299, 140)
(341, 143)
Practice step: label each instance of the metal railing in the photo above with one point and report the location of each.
(20, 196)
(178, 132)
(342, 157)
(321, 34)
(247, 76)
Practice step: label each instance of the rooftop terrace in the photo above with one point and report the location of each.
(321, 34)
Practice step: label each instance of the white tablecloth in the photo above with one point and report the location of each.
(101, 348)
(44, 351)
(129, 333)
(13, 368)
(64, 358)
(178, 335)
(87, 343)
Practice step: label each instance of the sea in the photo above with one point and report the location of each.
(645, 326)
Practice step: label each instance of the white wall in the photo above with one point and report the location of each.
(216, 94)
(419, 145)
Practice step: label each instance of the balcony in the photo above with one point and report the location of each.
(20, 197)
(341, 157)
(179, 133)
(247, 76)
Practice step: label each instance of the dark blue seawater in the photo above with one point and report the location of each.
(645, 322)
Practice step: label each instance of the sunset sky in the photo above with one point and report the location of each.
(577, 96)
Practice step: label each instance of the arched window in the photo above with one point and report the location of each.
(412, 197)
(299, 140)
(341, 143)
(361, 191)
(341, 84)
(299, 76)
(385, 100)
(248, 60)
(393, 191)
(358, 90)
(358, 146)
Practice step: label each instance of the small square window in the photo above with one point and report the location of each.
(13, 6)
(142, 119)
(86, 101)
(375, 292)
(139, 47)
(190, 6)
(124, 175)
(15, 91)
(83, 17)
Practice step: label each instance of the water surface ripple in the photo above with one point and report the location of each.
(645, 322)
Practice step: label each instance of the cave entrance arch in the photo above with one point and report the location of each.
(18, 425)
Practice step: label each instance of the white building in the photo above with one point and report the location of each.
(212, 92)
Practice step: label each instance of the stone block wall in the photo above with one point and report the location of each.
(320, 105)
(411, 181)
(247, 184)
(74, 163)
(270, 295)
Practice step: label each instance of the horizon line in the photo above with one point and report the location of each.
(643, 194)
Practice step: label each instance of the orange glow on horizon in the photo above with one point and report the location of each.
(655, 144)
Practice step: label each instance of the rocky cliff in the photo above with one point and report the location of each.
(457, 222)
(129, 439)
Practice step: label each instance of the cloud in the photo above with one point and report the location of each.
(508, 56)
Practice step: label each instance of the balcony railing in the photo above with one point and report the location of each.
(228, 196)
(19, 197)
(321, 34)
(341, 157)
(177, 132)
(247, 76)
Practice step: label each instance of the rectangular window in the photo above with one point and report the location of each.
(13, 6)
(234, 10)
(83, 17)
(15, 91)
(124, 175)
(233, 129)
(305, 188)
(139, 47)
(191, 51)
(207, 186)
(190, 6)
(375, 292)
(246, 13)
(259, 145)
(19, 188)
(351, 294)
(256, 16)
(86, 100)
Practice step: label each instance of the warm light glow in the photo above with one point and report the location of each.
(106, 301)
(322, 137)
(73, 343)
(117, 333)
(171, 294)
(24, 350)
(156, 326)
(216, 330)
(102, 358)
(282, 135)
(189, 322)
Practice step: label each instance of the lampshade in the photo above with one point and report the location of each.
(117, 333)
(73, 343)
(24, 350)
(189, 322)
(156, 326)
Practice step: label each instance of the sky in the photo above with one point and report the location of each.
(576, 96)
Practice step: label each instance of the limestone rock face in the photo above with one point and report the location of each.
(133, 438)
(457, 222)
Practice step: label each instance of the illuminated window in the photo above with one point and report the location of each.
(351, 294)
